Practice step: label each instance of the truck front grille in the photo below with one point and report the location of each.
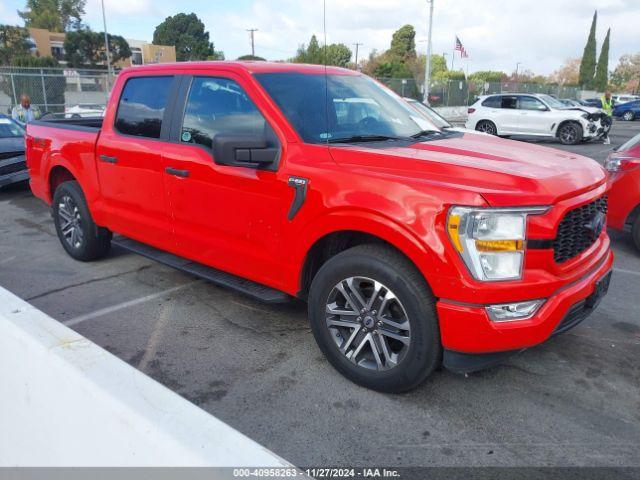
(574, 233)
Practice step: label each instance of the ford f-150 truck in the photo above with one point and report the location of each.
(413, 247)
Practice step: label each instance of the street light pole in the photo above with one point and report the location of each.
(106, 46)
(427, 67)
(517, 65)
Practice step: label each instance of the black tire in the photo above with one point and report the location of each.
(388, 267)
(635, 232)
(628, 116)
(487, 126)
(89, 241)
(570, 133)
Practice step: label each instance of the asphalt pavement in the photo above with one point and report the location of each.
(572, 401)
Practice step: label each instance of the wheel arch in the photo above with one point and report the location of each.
(343, 231)
(569, 120)
(58, 174)
(633, 215)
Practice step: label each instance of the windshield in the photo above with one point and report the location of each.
(429, 114)
(553, 102)
(335, 107)
(10, 129)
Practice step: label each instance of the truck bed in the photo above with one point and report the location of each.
(92, 124)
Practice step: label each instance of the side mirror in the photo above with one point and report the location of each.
(253, 151)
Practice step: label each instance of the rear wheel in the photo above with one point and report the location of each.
(487, 126)
(570, 133)
(635, 232)
(373, 316)
(80, 236)
(628, 116)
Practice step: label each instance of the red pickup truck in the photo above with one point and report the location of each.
(413, 246)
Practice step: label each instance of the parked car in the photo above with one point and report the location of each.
(84, 110)
(569, 102)
(412, 247)
(434, 117)
(592, 102)
(536, 115)
(625, 98)
(627, 111)
(13, 168)
(624, 198)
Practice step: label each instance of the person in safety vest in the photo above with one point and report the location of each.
(607, 106)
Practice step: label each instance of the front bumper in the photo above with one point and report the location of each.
(13, 170)
(467, 329)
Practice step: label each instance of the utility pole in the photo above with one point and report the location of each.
(427, 67)
(517, 65)
(253, 48)
(106, 46)
(356, 62)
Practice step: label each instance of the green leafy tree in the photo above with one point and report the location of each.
(626, 75)
(403, 42)
(602, 70)
(84, 48)
(484, 76)
(336, 54)
(417, 67)
(252, 57)
(13, 43)
(53, 15)
(588, 63)
(186, 32)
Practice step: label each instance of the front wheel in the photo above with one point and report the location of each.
(81, 238)
(570, 133)
(373, 316)
(628, 116)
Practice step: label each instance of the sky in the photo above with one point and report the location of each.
(497, 34)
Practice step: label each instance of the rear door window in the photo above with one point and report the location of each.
(509, 102)
(141, 107)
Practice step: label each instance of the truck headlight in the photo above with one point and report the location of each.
(491, 240)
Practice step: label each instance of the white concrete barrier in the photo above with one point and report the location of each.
(64, 401)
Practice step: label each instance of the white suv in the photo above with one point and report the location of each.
(536, 115)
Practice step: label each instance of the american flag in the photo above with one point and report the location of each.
(459, 47)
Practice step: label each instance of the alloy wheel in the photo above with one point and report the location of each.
(486, 127)
(568, 134)
(368, 323)
(628, 116)
(70, 221)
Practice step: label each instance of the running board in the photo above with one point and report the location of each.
(218, 277)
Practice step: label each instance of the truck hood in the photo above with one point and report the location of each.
(504, 172)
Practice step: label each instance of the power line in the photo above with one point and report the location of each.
(253, 48)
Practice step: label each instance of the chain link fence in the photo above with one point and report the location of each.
(52, 89)
(459, 93)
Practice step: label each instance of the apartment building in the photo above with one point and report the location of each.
(51, 44)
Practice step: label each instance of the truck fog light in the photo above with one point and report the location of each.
(505, 312)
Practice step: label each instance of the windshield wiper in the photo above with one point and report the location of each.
(365, 138)
(424, 133)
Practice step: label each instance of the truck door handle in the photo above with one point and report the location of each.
(108, 159)
(177, 172)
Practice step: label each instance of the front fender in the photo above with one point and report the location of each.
(426, 251)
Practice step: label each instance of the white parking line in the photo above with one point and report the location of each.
(628, 272)
(114, 308)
